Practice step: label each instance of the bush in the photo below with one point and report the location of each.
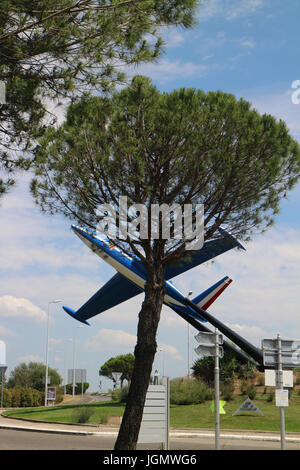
(22, 397)
(82, 414)
(270, 397)
(227, 391)
(120, 394)
(188, 392)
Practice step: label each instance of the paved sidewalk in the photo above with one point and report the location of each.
(105, 430)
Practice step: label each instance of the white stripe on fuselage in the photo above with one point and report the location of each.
(126, 272)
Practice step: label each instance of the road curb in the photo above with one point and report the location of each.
(173, 434)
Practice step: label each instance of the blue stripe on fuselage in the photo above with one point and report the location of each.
(125, 264)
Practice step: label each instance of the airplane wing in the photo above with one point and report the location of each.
(117, 290)
(210, 250)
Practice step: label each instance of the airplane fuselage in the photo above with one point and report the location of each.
(129, 267)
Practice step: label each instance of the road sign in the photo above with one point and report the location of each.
(272, 378)
(208, 339)
(287, 345)
(282, 397)
(207, 344)
(209, 351)
(80, 376)
(116, 376)
(290, 353)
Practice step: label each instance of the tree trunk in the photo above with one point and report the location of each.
(144, 356)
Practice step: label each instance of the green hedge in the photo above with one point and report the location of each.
(21, 397)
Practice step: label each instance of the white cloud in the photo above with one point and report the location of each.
(242, 8)
(30, 358)
(281, 106)
(170, 351)
(230, 9)
(11, 307)
(248, 43)
(4, 332)
(111, 340)
(166, 70)
(120, 342)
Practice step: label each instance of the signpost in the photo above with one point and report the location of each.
(79, 377)
(51, 394)
(279, 354)
(3, 366)
(209, 346)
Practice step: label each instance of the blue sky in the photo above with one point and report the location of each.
(248, 48)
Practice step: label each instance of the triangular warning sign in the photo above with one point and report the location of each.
(248, 405)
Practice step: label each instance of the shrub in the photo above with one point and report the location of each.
(82, 414)
(120, 394)
(270, 397)
(227, 391)
(188, 392)
(22, 397)
(251, 392)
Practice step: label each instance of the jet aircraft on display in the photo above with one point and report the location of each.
(131, 277)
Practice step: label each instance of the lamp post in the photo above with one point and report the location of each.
(161, 349)
(188, 341)
(47, 348)
(74, 341)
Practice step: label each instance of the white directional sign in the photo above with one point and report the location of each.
(207, 345)
(206, 351)
(290, 353)
(208, 339)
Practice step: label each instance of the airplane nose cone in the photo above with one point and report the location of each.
(82, 232)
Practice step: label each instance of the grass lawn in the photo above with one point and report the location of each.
(184, 416)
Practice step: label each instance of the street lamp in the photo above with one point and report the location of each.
(161, 349)
(73, 388)
(47, 347)
(188, 340)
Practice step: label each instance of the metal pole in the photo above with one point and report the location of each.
(280, 376)
(73, 386)
(47, 348)
(2, 388)
(47, 354)
(188, 349)
(217, 393)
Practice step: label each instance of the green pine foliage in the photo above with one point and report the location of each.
(58, 49)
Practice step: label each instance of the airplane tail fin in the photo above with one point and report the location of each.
(206, 298)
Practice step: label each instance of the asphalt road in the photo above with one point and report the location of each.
(28, 440)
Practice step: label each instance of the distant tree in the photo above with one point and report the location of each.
(123, 363)
(31, 375)
(78, 388)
